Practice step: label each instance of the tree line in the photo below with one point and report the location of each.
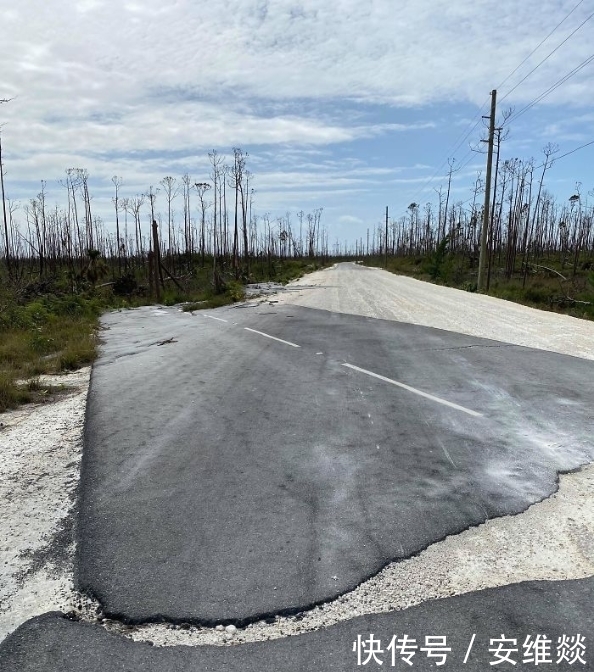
(528, 225)
(204, 222)
(215, 222)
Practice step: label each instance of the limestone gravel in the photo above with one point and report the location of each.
(40, 450)
(373, 292)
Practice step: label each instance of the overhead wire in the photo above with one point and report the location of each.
(465, 135)
(546, 58)
(451, 151)
(513, 72)
(461, 163)
(558, 158)
(587, 144)
(550, 90)
(470, 155)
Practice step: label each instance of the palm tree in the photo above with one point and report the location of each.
(96, 268)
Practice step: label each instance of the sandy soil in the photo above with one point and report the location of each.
(40, 452)
(373, 292)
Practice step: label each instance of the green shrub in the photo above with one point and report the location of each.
(77, 354)
(537, 295)
(435, 266)
(194, 305)
(171, 297)
(11, 394)
(35, 314)
(235, 290)
(41, 343)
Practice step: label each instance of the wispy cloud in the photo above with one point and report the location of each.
(325, 96)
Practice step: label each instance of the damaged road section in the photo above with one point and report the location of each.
(463, 633)
(551, 540)
(230, 477)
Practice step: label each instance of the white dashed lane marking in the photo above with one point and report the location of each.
(212, 317)
(415, 391)
(274, 338)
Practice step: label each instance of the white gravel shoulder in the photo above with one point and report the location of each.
(373, 292)
(40, 452)
(40, 449)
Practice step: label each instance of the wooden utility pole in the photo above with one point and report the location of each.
(386, 240)
(486, 211)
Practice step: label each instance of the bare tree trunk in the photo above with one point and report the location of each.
(216, 162)
(6, 236)
(117, 183)
(236, 180)
(245, 224)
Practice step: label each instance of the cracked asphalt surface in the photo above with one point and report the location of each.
(228, 476)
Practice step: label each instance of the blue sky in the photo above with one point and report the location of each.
(345, 105)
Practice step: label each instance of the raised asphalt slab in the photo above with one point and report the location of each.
(534, 625)
(269, 458)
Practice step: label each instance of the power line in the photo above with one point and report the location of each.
(553, 160)
(546, 57)
(452, 150)
(573, 151)
(471, 130)
(470, 155)
(465, 135)
(552, 88)
(539, 45)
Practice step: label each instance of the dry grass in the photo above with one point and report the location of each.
(45, 336)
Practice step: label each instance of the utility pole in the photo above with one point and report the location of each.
(486, 210)
(386, 239)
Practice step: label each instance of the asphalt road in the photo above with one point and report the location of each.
(254, 461)
(469, 623)
(228, 475)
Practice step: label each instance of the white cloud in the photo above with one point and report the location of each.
(95, 81)
(350, 219)
(413, 51)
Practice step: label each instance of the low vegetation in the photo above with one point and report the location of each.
(42, 335)
(61, 266)
(544, 286)
(47, 328)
